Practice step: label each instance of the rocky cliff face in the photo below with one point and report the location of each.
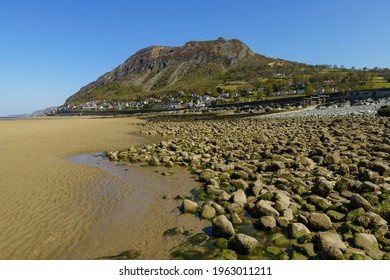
(158, 66)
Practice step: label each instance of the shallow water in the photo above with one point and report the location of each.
(141, 215)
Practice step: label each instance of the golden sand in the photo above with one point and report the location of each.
(51, 208)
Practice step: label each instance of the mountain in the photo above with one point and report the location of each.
(200, 67)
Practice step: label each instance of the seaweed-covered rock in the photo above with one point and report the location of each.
(239, 184)
(297, 230)
(330, 245)
(365, 240)
(319, 221)
(357, 201)
(244, 244)
(323, 187)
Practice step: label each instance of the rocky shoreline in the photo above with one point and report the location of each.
(279, 188)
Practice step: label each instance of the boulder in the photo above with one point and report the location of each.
(335, 216)
(282, 202)
(266, 222)
(224, 196)
(236, 220)
(275, 166)
(207, 212)
(218, 208)
(368, 186)
(244, 244)
(365, 240)
(306, 249)
(319, 221)
(240, 174)
(235, 207)
(189, 206)
(239, 184)
(376, 221)
(288, 214)
(382, 168)
(224, 177)
(296, 230)
(282, 222)
(305, 161)
(323, 187)
(256, 187)
(239, 196)
(222, 227)
(264, 208)
(206, 175)
(154, 161)
(357, 201)
(330, 245)
(332, 158)
(369, 244)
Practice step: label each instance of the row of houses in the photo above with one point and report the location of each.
(163, 103)
(183, 101)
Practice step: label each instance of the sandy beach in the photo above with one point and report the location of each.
(52, 208)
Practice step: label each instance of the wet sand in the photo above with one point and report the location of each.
(52, 208)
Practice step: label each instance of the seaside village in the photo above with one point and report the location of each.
(182, 100)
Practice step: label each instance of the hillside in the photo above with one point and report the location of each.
(212, 67)
(158, 68)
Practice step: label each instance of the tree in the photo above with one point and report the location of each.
(309, 89)
(386, 74)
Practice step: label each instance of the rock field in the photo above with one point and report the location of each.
(282, 188)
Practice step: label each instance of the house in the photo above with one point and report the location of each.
(328, 83)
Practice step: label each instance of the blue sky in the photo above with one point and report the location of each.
(49, 49)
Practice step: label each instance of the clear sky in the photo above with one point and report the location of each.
(51, 48)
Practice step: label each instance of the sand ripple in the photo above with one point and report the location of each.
(51, 208)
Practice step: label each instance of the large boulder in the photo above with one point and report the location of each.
(264, 208)
(357, 201)
(330, 245)
(222, 227)
(369, 244)
(319, 221)
(365, 241)
(244, 244)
